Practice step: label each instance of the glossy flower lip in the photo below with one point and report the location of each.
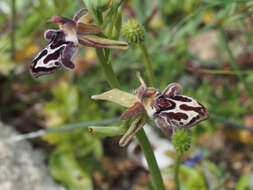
(53, 56)
(64, 42)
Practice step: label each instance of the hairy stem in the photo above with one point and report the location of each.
(177, 168)
(148, 64)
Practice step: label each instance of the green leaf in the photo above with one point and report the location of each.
(67, 97)
(191, 178)
(65, 169)
(244, 183)
(188, 29)
(224, 2)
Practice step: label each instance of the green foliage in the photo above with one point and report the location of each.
(77, 153)
(66, 169)
(174, 7)
(68, 107)
(76, 146)
(192, 178)
(244, 183)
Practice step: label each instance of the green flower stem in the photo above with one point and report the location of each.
(152, 164)
(107, 67)
(148, 63)
(233, 61)
(141, 136)
(177, 168)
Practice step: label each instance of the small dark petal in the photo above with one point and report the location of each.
(98, 42)
(79, 14)
(67, 55)
(50, 34)
(132, 111)
(165, 126)
(85, 29)
(69, 65)
(172, 90)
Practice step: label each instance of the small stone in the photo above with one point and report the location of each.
(22, 167)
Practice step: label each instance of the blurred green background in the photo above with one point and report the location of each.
(205, 45)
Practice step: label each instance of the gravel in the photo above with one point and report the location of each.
(22, 167)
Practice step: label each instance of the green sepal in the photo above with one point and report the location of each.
(117, 96)
(138, 122)
(107, 130)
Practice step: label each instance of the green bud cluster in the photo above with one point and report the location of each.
(181, 141)
(133, 31)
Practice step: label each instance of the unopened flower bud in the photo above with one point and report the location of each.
(133, 31)
(181, 141)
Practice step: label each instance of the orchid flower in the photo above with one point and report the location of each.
(169, 109)
(64, 43)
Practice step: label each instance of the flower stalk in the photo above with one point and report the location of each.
(135, 33)
(150, 157)
(148, 63)
(107, 67)
(182, 143)
(177, 168)
(140, 135)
